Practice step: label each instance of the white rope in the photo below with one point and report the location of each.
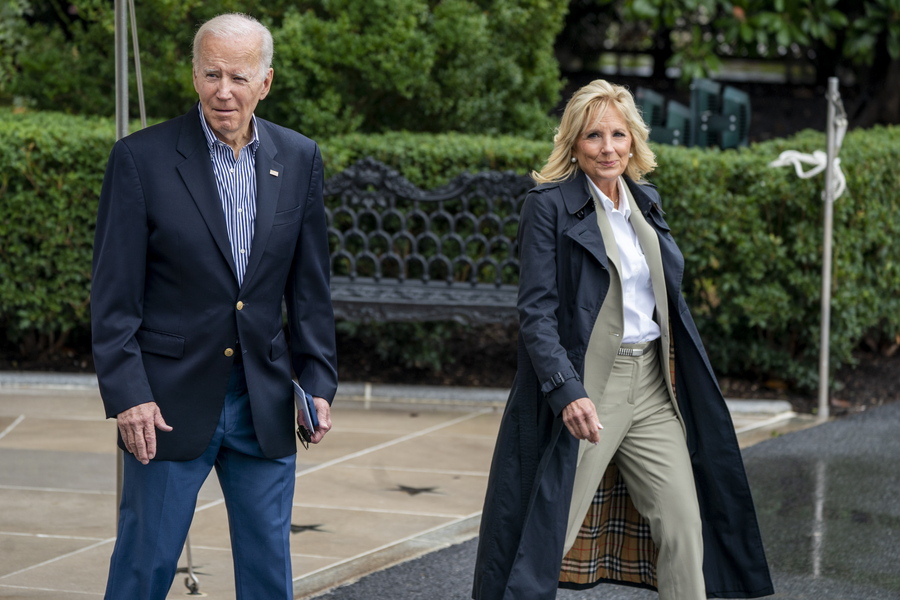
(818, 160)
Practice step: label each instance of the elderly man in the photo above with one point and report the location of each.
(207, 224)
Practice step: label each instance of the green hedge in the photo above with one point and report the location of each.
(51, 169)
(751, 234)
(752, 238)
(431, 160)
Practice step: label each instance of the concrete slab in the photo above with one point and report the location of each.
(439, 452)
(402, 474)
(61, 435)
(61, 403)
(74, 570)
(406, 492)
(57, 513)
(45, 469)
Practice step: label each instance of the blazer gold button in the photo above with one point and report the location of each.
(229, 352)
(240, 305)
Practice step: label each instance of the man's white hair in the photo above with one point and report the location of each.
(236, 25)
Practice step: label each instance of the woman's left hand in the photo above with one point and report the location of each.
(581, 420)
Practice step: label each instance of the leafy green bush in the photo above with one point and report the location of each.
(751, 234)
(340, 65)
(51, 169)
(381, 65)
(752, 239)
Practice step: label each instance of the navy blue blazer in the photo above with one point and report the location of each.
(166, 308)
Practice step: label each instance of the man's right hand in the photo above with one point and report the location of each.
(138, 427)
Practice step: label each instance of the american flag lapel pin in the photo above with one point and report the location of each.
(273, 172)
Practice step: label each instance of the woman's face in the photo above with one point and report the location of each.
(603, 147)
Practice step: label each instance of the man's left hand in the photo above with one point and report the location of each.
(323, 410)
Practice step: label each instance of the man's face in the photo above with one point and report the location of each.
(228, 80)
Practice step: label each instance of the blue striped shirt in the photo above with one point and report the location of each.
(236, 183)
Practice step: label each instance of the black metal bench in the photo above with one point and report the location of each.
(402, 254)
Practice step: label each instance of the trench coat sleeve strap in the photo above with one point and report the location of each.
(538, 302)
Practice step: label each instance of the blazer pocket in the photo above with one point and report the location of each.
(279, 346)
(286, 217)
(158, 342)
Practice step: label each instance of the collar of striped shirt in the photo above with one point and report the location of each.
(212, 140)
(236, 186)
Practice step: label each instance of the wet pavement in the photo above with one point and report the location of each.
(829, 506)
(828, 500)
(402, 475)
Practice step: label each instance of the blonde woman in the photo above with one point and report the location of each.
(616, 459)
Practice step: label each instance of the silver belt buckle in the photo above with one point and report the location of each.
(630, 352)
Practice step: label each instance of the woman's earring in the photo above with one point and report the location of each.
(630, 154)
(574, 160)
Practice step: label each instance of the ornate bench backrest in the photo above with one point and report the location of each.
(401, 253)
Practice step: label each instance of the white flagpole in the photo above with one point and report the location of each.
(825, 340)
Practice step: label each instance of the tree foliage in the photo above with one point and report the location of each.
(857, 40)
(701, 32)
(341, 66)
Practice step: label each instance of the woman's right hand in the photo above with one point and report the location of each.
(581, 420)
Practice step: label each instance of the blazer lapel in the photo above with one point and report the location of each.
(197, 174)
(609, 238)
(650, 244)
(673, 263)
(269, 175)
(609, 326)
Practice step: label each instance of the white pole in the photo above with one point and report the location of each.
(824, 342)
(121, 44)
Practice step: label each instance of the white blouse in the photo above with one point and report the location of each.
(637, 289)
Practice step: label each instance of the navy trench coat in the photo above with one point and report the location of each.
(529, 490)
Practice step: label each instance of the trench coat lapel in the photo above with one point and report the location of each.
(585, 233)
(269, 175)
(197, 174)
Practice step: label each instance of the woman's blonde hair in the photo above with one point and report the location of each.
(586, 105)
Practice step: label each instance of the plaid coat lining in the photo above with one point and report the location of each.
(614, 542)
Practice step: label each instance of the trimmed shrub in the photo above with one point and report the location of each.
(752, 237)
(751, 234)
(51, 169)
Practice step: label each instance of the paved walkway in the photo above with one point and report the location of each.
(403, 473)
